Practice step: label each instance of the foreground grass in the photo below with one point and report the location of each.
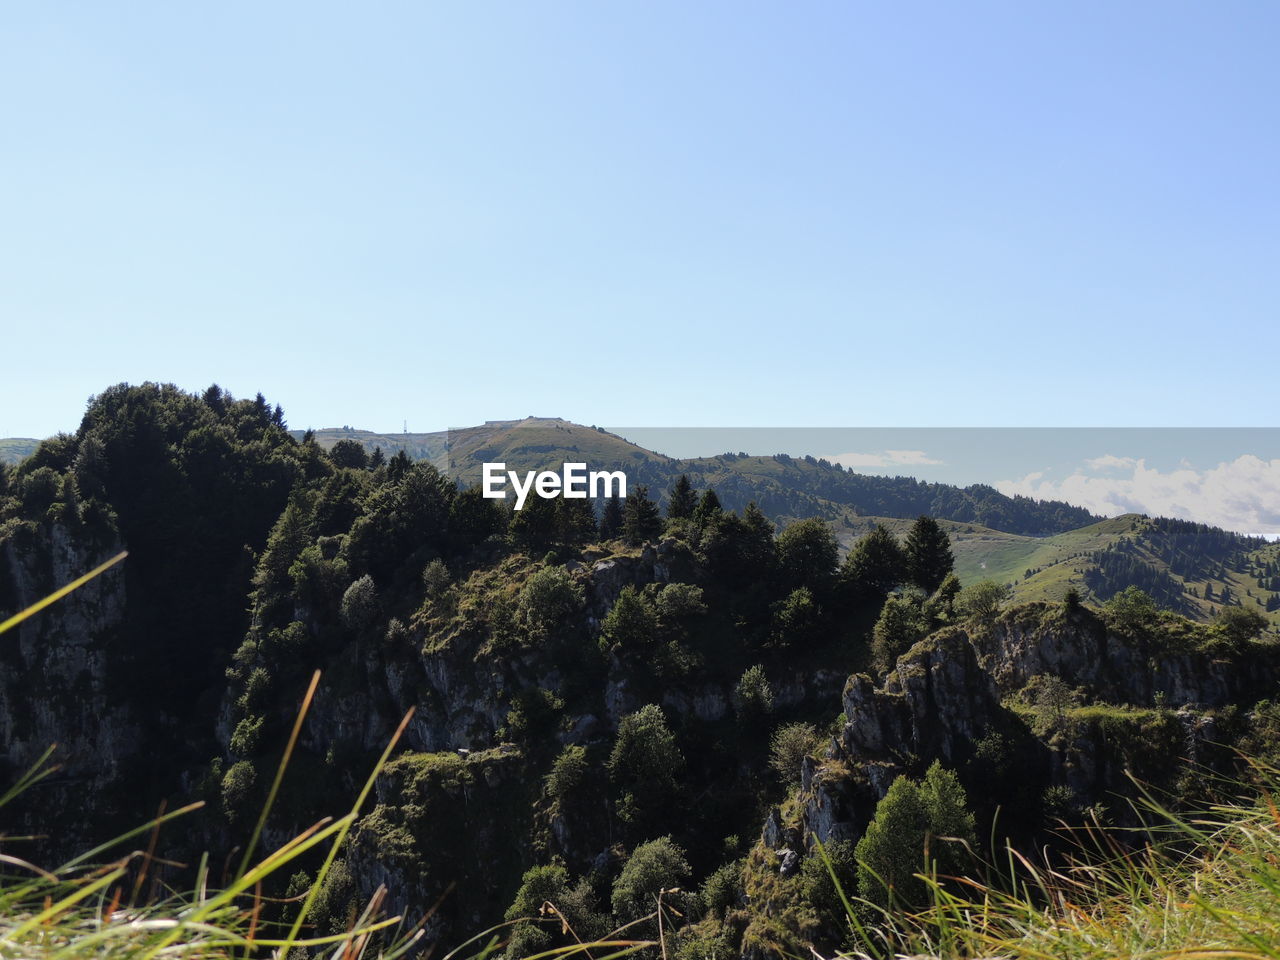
(1207, 886)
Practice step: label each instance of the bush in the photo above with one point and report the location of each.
(436, 578)
(753, 697)
(902, 623)
(982, 600)
(360, 606)
(722, 889)
(652, 868)
(568, 773)
(549, 597)
(631, 624)
(908, 822)
(788, 748)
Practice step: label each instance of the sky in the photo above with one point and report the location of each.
(665, 213)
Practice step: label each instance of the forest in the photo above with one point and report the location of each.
(684, 723)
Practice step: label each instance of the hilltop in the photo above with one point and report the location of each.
(1040, 548)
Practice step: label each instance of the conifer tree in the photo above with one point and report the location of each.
(682, 501)
(928, 554)
(611, 519)
(708, 508)
(640, 519)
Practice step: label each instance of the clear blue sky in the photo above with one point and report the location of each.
(645, 213)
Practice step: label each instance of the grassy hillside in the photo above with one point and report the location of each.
(1044, 568)
(14, 449)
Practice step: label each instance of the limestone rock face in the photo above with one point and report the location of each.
(56, 680)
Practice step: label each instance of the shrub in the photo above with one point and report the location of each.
(360, 606)
(653, 867)
(788, 748)
(753, 697)
(548, 598)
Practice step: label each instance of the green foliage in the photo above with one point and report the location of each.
(533, 714)
(568, 773)
(682, 501)
(361, 608)
(640, 518)
(645, 764)
(904, 838)
(901, 624)
(630, 624)
(807, 553)
(548, 598)
(1235, 627)
(349, 454)
(654, 867)
(790, 744)
(753, 697)
(239, 791)
(611, 520)
(708, 508)
(874, 565)
(928, 555)
(436, 578)
(1131, 612)
(982, 600)
(818, 886)
(722, 889)
(247, 735)
(797, 620)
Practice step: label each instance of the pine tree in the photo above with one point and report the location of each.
(681, 501)
(640, 518)
(708, 508)
(611, 519)
(928, 554)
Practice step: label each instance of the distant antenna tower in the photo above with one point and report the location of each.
(406, 426)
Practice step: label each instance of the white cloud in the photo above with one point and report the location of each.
(1109, 462)
(885, 458)
(1242, 494)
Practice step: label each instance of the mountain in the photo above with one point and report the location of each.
(14, 449)
(784, 487)
(1040, 548)
(590, 721)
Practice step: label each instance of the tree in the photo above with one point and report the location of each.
(982, 600)
(708, 508)
(644, 764)
(904, 838)
(681, 501)
(1131, 612)
(752, 697)
(1236, 626)
(655, 869)
(807, 554)
(640, 518)
(473, 518)
(630, 624)
(575, 521)
(901, 624)
(549, 597)
(360, 605)
(791, 743)
(928, 554)
(349, 453)
(875, 564)
(797, 619)
(611, 520)
(535, 527)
